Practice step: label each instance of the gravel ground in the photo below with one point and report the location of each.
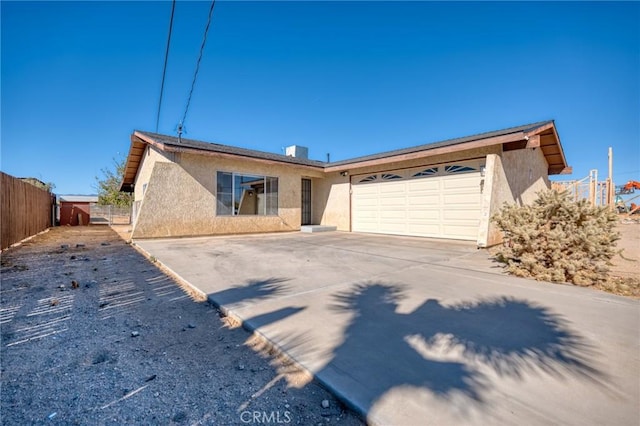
(94, 333)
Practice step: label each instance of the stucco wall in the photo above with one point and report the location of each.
(438, 159)
(331, 197)
(149, 158)
(511, 177)
(180, 198)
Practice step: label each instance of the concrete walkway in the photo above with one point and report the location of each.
(414, 331)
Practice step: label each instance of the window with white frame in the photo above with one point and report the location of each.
(239, 194)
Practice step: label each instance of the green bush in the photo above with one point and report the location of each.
(556, 239)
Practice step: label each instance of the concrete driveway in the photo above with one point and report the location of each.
(416, 331)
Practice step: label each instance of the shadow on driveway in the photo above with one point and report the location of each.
(508, 335)
(442, 348)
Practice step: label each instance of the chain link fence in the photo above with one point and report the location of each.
(110, 215)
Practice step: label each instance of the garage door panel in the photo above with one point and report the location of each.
(390, 204)
(366, 200)
(370, 214)
(424, 229)
(393, 214)
(367, 188)
(425, 215)
(364, 203)
(455, 182)
(423, 200)
(423, 185)
(460, 231)
(467, 215)
(451, 200)
(391, 188)
(392, 225)
(441, 206)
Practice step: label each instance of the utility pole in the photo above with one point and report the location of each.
(610, 186)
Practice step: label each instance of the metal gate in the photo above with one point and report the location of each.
(306, 202)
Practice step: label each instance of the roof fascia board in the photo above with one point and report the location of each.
(129, 166)
(149, 140)
(481, 143)
(567, 169)
(538, 130)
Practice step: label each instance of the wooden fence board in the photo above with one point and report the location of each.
(25, 210)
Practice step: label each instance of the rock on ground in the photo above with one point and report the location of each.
(122, 346)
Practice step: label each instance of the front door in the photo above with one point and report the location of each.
(306, 202)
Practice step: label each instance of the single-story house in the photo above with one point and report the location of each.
(75, 210)
(447, 189)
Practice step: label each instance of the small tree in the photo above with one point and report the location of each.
(556, 239)
(109, 186)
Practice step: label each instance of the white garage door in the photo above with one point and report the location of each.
(440, 201)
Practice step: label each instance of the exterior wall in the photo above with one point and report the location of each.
(331, 201)
(180, 199)
(70, 211)
(511, 177)
(438, 159)
(150, 157)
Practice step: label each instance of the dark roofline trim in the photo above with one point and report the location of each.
(173, 144)
(524, 129)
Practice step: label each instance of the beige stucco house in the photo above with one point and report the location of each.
(447, 189)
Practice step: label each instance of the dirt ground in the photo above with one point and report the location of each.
(94, 333)
(625, 271)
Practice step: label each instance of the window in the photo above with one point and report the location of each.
(371, 178)
(458, 169)
(390, 176)
(239, 195)
(427, 172)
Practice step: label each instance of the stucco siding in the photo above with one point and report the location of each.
(511, 177)
(437, 159)
(331, 201)
(149, 158)
(180, 198)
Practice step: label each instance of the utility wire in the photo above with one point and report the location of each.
(195, 74)
(166, 59)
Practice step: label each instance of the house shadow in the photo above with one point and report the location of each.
(444, 348)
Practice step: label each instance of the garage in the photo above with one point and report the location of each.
(439, 201)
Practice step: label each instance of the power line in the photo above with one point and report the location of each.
(195, 74)
(166, 59)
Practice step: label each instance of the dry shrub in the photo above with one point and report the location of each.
(556, 239)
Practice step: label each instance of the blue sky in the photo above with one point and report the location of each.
(345, 78)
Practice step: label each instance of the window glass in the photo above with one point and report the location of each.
(224, 196)
(272, 196)
(251, 195)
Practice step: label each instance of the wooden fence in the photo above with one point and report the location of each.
(598, 193)
(25, 210)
